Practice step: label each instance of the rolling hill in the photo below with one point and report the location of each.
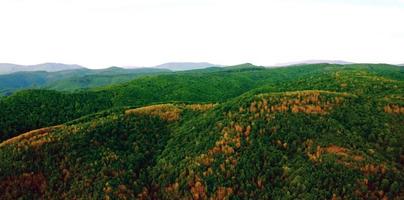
(199, 86)
(70, 80)
(318, 131)
(64, 77)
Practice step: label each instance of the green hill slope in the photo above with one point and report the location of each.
(12, 82)
(70, 80)
(32, 109)
(382, 81)
(91, 158)
(293, 145)
(305, 132)
(41, 105)
(310, 144)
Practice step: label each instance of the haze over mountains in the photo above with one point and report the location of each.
(182, 66)
(339, 62)
(69, 80)
(66, 77)
(7, 68)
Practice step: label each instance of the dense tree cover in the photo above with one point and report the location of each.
(302, 145)
(305, 132)
(98, 78)
(32, 109)
(106, 157)
(208, 85)
(287, 145)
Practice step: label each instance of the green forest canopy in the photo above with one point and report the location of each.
(304, 132)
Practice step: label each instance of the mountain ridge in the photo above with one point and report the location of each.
(182, 66)
(305, 62)
(71, 79)
(7, 68)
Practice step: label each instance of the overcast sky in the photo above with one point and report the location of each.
(101, 33)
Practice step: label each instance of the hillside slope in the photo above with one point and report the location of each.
(71, 80)
(311, 144)
(104, 152)
(218, 85)
(293, 145)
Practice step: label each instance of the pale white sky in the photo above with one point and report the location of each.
(101, 33)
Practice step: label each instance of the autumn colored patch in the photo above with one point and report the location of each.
(167, 112)
(310, 102)
(33, 138)
(394, 109)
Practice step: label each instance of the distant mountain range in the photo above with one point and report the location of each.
(182, 66)
(8, 68)
(66, 77)
(339, 62)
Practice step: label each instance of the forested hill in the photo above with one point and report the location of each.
(71, 80)
(33, 109)
(317, 131)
